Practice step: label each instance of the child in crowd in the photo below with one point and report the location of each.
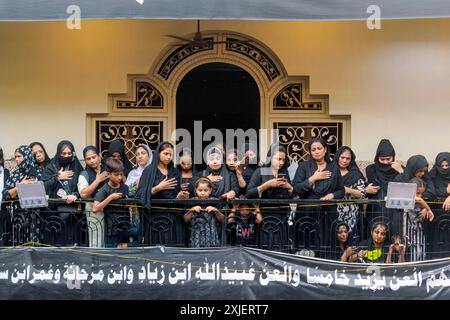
(245, 217)
(203, 228)
(413, 220)
(397, 249)
(113, 190)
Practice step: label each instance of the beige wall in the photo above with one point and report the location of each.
(394, 82)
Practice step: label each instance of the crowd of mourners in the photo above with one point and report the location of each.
(232, 174)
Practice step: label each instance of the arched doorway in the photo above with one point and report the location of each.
(221, 96)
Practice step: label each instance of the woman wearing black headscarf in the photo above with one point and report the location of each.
(60, 179)
(379, 174)
(116, 150)
(41, 155)
(61, 175)
(440, 174)
(354, 184)
(224, 182)
(383, 170)
(417, 167)
(272, 180)
(161, 180)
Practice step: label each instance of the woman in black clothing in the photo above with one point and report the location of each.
(417, 167)
(60, 179)
(224, 182)
(161, 180)
(116, 150)
(440, 174)
(272, 180)
(384, 170)
(319, 178)
(41, 155)
(187, 171)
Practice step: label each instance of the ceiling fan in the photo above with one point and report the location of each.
(199, 41)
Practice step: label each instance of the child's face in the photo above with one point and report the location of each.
(116, 177)
(419, 174)
(244, 210)
(420, 191)
(445, 165)
(203, 191)
(231, 161)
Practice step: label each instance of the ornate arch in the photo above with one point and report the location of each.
(285, 101)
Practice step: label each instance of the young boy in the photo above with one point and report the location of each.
(397, 249)
(116, 236)
(245, 217)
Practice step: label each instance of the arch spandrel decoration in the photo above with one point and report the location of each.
(146, 97)
(285, 101)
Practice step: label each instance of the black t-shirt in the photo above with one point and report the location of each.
(107, 190)
(116, 216)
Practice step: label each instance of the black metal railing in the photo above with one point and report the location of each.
(293, 226)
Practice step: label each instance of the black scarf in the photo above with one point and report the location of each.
(353, 174)
(55, 165)
(441, 177)
(384, 173)
(118, 146)
(144, 191)
(413, 165)
(224, 185)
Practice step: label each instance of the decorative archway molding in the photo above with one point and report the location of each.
(285, 101)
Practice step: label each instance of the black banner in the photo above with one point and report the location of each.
(233, 273)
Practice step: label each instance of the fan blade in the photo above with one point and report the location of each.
(179, 38)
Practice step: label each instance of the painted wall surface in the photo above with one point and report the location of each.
(394, 82)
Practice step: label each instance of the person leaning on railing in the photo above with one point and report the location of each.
(440, 174)
(272, 180)
(91, 179)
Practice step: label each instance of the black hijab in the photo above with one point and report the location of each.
(47, 158)
(118, 146)
(224, 185)
(441, 177)
(383, 173)
(413, 165)
(58, 162)
(336, 250)
(148, 177)
(353, 174)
